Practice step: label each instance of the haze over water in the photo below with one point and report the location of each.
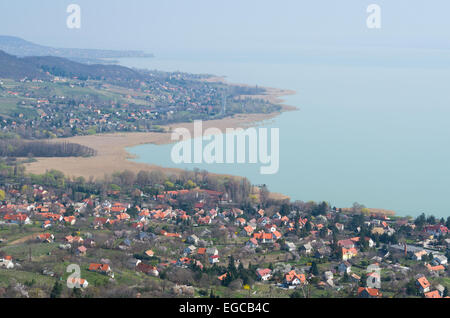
(372, 125)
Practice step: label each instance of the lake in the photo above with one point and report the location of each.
(372, 125)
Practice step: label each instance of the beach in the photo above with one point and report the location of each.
(111, 148)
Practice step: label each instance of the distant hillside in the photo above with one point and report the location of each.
(15, 68)
(38, 68)
(63, 67)
(19, 47)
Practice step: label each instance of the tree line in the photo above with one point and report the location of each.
(21, 148)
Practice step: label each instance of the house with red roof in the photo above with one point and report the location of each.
(167, 234)
(204, 220)
(102, 269)
(436, 269)
(70, 220)
(73, 239)
(17, 218)
(348, 253)
(365, 292)
(184, 262)
(433, 294)
(45, 237)
(436, 230)
(6, 262)
(276, 235)
(293, 279)
(201, 251)
(119, 207)
(240, 222)
(346, 243)
(264, 273)
(99, 222)
(263, 237)
(147, 269)
(81, 251)
(423, 284)
(248, 230)
(213, 259)
(253, 243)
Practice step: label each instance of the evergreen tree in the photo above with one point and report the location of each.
(56, 291)
(314, 270)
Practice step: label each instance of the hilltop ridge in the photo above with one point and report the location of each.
(22, 48)
(41, 67)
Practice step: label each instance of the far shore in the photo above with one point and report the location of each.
(111, 148)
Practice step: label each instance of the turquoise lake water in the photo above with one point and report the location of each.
(373, 125)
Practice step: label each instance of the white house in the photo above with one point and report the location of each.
(307, 248)
(190, 249)
(328, 275)
(345, 267)
(290, 246)
(264, 274)
(6, 262)
(214, 259)
(192, 239)
(440, 260)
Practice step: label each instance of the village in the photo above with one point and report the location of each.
(189, 241)
(191, 234)
(70, 105)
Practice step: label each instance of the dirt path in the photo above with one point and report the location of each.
(22, 240)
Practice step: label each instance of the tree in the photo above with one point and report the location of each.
(212, 295)
(232, 272)
(411, 288)
(127, 177)
(143, 178)
(431, 219)
(56, 291)
(69, 211)
(364, 245)
(296, 294)
(314, 269)
(263, 195)
(320, 209)
(363, 280)
(345, 278)
(169, 185)
(132, 212)
(420, 221)
(190, 184)
(285, 209)
(76, 293)
(357, 208)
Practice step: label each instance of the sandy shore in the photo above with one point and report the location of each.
(112, 156)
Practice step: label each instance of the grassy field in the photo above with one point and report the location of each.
(14, 232)
(6, 276)
(22, 251)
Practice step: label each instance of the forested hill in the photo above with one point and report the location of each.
(59, 66)
(43, 67)
(16, 68)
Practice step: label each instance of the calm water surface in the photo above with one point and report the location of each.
(373, 126)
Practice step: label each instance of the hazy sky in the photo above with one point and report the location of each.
(231, 25)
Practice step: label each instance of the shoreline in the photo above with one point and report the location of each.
(111, 147)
